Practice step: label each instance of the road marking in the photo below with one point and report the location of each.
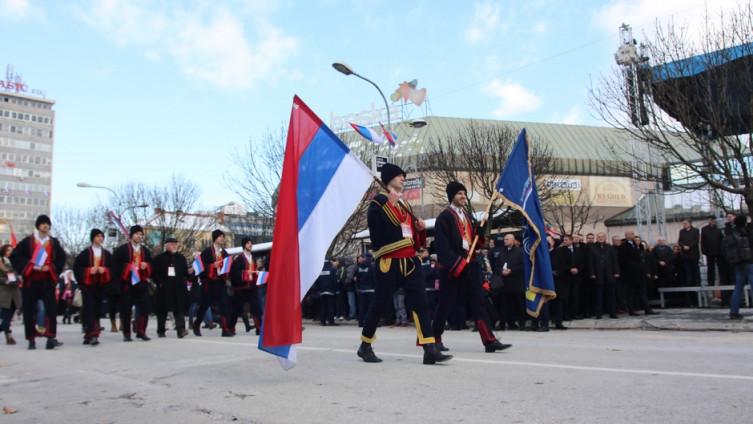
(508, 363)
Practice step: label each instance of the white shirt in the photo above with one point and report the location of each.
(97, 251)
(39, 237)
(249, 257)
(136, 247)
(460, 213)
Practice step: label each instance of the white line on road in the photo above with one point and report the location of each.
(514, 363)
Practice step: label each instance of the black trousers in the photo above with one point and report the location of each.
(511, 307)
(366, 301)
(714, 262)
(391, 274)
(91, 309)
(604, 294)
(470, 281)
(170, 298)
(214, 293)
(241, 298)
(568, 292)
(137, 296)
(586, 296)
(31, 293)
(637, 294)
(327, 308)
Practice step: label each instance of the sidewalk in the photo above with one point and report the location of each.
(675, 319)
(680, 319)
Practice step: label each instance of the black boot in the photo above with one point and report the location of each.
(52, 343)
(32, 345)
(442, 347)
(495, 346)
(366, 353)
(94, 341)
(432, 355)
(127, 338)
(197, 328)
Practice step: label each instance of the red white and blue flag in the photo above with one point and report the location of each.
(135, 278)
(40, 256)
(261, 278)
(373, 136)
(322, 184)
(198, 265)
(226, 265)
(389, 135)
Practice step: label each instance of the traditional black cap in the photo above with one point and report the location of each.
(453, 188)
(94, 233)
(135, 229)
(171, 240)
(390, 171)
(217, 233)
(245, 240)
(42, 219)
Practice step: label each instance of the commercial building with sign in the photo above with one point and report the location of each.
(27, 134)
(587, 167)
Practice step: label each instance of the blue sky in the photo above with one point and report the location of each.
(145, 89)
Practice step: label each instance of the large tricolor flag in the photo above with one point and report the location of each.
(322, 184)
(517, 187)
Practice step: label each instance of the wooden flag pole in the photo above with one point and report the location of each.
(475, 238)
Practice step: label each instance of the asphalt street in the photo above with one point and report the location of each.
(578, 376)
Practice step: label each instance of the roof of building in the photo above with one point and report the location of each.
(578, 149)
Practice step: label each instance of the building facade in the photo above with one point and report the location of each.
(27, 134)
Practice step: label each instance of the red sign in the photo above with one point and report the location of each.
(18, 87)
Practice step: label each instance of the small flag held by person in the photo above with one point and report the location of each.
(198, 266)
(517, 188)
(40, 256)
(226, 265)
(135, 278)
(389, 135)
(261, 278)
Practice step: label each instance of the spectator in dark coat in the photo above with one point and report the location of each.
(689, 241)
(711, 247)
(604, 269)
(511, 297)
(665, 266)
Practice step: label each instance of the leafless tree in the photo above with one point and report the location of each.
(475, 155)
(72, 226)
(699, 135)
(570, 210)
(257, 171)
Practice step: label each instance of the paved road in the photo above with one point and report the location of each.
(577, 376)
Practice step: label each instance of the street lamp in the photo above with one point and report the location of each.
(87, 185)
(347, 70)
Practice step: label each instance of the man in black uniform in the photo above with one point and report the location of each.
(214, 289)
(395, 236)
(454, 232)
(93, 273)
(170, 273)
(243, 277)
(132, 267)
(604, 269)
(570, 263)
(39, 272)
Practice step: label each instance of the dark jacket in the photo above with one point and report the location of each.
(21, 259)
(602, 263)
(211, 272)
(691, 238)
(239, 275)
(84, 262)
(564, 260)
(513, 258)
(663, 254)
(448, 240)
(386, 231)
(161, 270)
(711, 240)
(121, 260)
(629, 256)
(327, 281)
(365, 277)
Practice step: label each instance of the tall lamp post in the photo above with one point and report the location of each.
(120, 213)
(347, 70)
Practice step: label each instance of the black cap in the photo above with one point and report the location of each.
(135, 229)
(453, 188)
(245, 240)
(390, 171)
(217, 233)
(42, 219)
(94, 233)
(171, 240)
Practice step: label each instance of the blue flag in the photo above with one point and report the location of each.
(517, 187)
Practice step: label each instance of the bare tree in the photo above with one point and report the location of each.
(257, 171)
(72, 226)
(570, 210)
(475, 155)
(700, 132)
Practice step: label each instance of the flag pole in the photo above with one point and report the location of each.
(475, 238)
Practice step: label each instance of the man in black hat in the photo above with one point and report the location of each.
(395, 237)
(243, 276)
(170, 273)
(454, 232)
(214, 290)
(132, 267)
(93, 272)
(39, 258)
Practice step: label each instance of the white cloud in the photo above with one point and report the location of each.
(20, 9)
(207, 41)
(513, 98)
(485, 21)
(642, 15)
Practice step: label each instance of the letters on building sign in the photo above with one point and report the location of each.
(18, 87)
